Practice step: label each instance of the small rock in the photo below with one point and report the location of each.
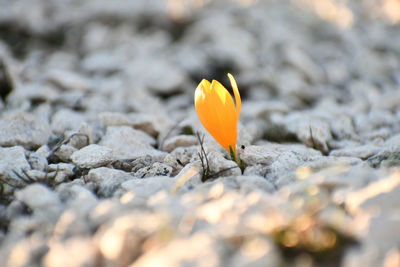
(114, 119)
(76, 251)
(102, 62)
(156, 169)
(37, 161)
(92, 156)
(382, 194)
(43, 151)
(292, 84)
(342, 127)
(220, 166)
(40, 199)
(299, 59)
(64, 152)
(66, 120)
(151, 124)
(257, 252)
(68, 80)
(170, 78)
(185, 154)
(253, 155)
(253, 183)
(68, 168)
(129, 232)
(12, 159)
(145, 188)
(375, 119)
(62, 171)
(393, 143)
(23, 129)
(15, 209)
(79, 201)
(362, 152)
(312, 131)
(77, 196)
(274, 161)
(128, 143)
(188, 178)
(107, 180)
(180, 157)
(204, 251)
(179, 141)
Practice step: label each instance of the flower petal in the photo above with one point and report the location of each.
(206, 108)
(238, 100)
(225, 112)
(217, 112)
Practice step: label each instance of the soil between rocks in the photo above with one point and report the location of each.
(99, 159)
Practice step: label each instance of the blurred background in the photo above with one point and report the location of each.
(137, 51)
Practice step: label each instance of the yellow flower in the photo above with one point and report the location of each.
(217, 112)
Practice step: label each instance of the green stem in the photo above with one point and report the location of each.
(238, 161)
(232, 154)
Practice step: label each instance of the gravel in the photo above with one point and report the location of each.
(100, 163)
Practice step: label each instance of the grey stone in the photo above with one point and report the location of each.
(277, 162)
(43, 151)
(179, 141)
(68, 80)
(373, 120)
(61, 172)
(170, 78)
(37, 161)
(107, 180)
(270, 152)
(152, 124)
(114, 119)
(262, 108)
(312, 131)
(39, 198)
(393, 143)
(65, 152)
(250, 184)
(81, 138)
(145, 188)
(257, 252)
(342, 127)
(102, 62)
(220, 166)
(299, 59)
(106, 210)
(68, 168)
(12, 160)
(204, 251)
(292, 84)
(188, 177)
(23, 129)
(128, 143)
(156, 169)
(92, 156)
(77, 251)
(14, 209)
(66, 119)
(32, 92)
(180, 157)
(80, 202)
(362, 152)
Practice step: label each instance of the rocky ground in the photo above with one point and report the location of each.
(99, 158)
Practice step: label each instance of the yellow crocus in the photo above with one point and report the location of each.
(217, 111)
